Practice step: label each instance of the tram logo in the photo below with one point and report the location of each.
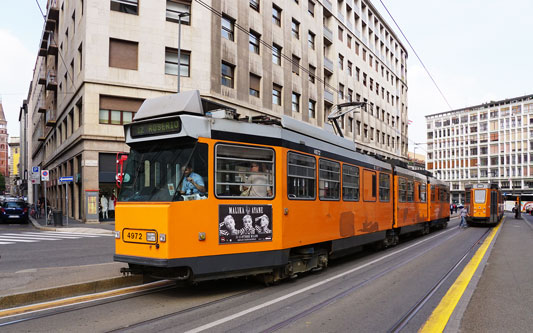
(244, 223)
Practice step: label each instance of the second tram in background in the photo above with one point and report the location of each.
(485, 204)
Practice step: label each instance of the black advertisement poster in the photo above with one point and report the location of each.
(244, 223)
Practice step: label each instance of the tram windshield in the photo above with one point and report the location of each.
(165, 171)
(479, 196)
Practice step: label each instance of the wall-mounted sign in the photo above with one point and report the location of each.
(158, 127)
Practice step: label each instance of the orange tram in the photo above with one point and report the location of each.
(485, 204)
(206, 197)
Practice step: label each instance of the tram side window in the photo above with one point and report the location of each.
(350, 183)
(410, 191)
(244, 171)
(329, 180)
(433, 189)
(422, 192)
(384, 187)
(402, 189)
(467, 197)
(301, 176)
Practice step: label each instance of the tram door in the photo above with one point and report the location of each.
(493, 206)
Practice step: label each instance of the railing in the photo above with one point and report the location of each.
(328, 34)
(328, 96)
(328, 64)
(327, 5)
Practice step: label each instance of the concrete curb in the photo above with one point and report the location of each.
(50, 294)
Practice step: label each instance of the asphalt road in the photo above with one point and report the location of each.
(30, 248)
(366, 292)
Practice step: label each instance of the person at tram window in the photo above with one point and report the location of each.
(192, 183)
(258, 179)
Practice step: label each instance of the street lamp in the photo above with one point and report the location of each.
(180, 15)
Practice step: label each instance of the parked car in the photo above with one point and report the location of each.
(14, 211)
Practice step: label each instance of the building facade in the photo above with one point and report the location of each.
(492, 142)
(14, 166)
(98, 61)
(4, 149)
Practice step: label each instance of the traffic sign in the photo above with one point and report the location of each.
(66, 179)
(45, 176)
(35, 169)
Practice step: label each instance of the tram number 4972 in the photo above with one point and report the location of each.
(134, 235)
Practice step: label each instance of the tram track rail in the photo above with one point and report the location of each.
(406, 318)
(51, 308)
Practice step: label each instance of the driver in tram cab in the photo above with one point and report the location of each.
(193, 183)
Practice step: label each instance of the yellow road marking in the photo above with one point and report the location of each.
(81, 299)
(442, 313)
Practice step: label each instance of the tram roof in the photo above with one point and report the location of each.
(184, 102)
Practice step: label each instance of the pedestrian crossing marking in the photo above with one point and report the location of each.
(34, 237)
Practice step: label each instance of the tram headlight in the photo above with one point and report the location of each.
(162, 237)
(150, 236)
(117, 234)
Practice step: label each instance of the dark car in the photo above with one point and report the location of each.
(12, 211)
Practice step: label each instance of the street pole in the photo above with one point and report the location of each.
(180, 15)
(45, 205)
(66, 200)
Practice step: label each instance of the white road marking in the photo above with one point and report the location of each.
(31, 237)
(13, 239)
(5, 243)
(78, 234)
(297, 292)
(39, 234)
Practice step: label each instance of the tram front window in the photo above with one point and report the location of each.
(479, 196)
(165, 171)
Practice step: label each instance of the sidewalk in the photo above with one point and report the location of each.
(503, 298)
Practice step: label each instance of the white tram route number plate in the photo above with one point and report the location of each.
(138, 236)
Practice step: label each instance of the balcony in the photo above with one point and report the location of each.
(43, 47)
(42, 74)
(328, 8)
(328, 96)
(328, 36)
(50, 117)
(52, 44)
(51, 80)
(341, 17)
(328, 66)
(53, 9)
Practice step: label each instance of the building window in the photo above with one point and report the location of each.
(254, 4)
(295, 102)
(175, 8)
(254, 41)
(276, 15)
(341, 32)
(311, 40)
(125, 6)
(255, 84)
(312, 109)
(117, 110)
(341, 91)
(171, 62)
(276, 94)
(341, 62)
(350, 72)
(123, 53)
(228, 27)
(228, 72)
(276, 54)
(312, 71)
(295, 28)
(295, 65)
(311, 8)
(349, 41)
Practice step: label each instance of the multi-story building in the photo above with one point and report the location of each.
(491, 142)
(100, 59)
(4, 157)
(14, 164)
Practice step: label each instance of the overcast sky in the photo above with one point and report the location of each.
(476, 50)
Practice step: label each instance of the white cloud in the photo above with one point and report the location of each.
(16, 69)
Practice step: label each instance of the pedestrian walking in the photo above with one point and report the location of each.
(464, 214)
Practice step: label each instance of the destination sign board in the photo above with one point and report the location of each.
(156, 127)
